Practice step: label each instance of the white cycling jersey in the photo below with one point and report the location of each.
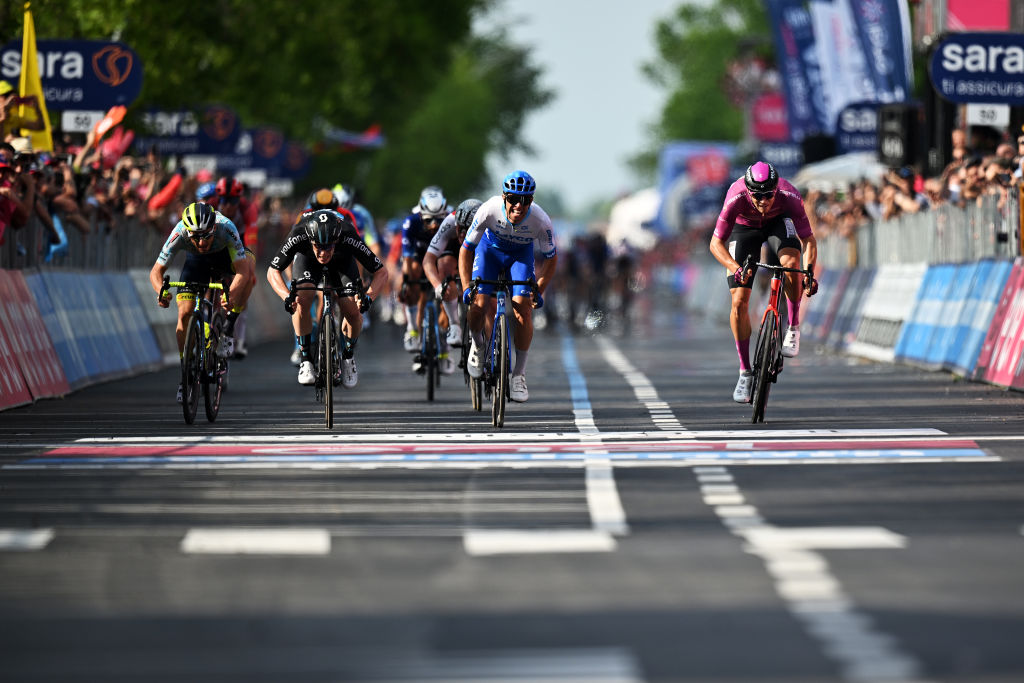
(445, 233)
(491, 220)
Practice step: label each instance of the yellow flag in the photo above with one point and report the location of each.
(42, 140)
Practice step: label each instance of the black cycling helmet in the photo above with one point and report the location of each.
(466, 212)
(199, 219)
(323, 227)
(761, 177)
(322, 199)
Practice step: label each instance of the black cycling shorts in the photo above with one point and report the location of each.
(778, 233)
(213, 267)
(342, 270)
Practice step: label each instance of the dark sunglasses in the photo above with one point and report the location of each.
(199, 238)
(514, 199)
(431, 219)
(762, 195)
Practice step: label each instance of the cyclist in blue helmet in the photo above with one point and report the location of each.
(205, 191)
(501, 237)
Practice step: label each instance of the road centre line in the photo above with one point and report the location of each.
(608, 518)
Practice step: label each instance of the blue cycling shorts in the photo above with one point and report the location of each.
(490, 261)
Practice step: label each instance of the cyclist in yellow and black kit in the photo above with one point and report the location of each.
(213, 252)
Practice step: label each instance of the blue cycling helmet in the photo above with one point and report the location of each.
(205, 191)
(519, 182)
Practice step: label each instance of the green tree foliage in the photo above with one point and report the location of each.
(694, 49)
(442, 97)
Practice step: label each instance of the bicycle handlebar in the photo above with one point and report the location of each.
(192, 287)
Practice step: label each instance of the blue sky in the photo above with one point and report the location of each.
(591, 53)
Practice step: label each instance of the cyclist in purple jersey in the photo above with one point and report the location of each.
(761, 207)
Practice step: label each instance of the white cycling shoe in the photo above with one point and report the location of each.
(791, 344)
(475, 364)
(306, 375)
(180, 392)
(454, 335)
(296, 357)
(744, 386)
(349, 373)
(517, 389)
(411, 340)
(446, 364)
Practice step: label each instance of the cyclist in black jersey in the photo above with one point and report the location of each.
(320, 238)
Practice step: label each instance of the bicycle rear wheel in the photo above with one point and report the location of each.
(764, 357)
(191, 368)
(501, 367)
(327, 369)
(216, 368)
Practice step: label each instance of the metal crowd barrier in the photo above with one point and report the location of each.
(115, 247)
(946, 234)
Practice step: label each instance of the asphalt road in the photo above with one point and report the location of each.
(627, 524)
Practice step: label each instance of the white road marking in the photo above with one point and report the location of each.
(257, 541)
(508, 541)
(661, 413)
(25, 539)
(513, 437)
(813, 594)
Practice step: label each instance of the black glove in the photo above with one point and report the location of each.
(289, 304)
(364, 303)
(538, 300)
(810, 286)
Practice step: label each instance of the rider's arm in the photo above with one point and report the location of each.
(466, 254)
(721, 254)
(156, 276)
(547, 271)
(430, 269)
(810, 251)
(276, 279)
(378, 284)
(281, 261)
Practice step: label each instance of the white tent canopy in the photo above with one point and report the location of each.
(840, 171)
(628, 217)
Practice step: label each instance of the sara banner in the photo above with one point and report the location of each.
(980, 67)
(213, 130)
(80, 74)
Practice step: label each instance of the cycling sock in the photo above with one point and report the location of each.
(793, 311)
(410, 318)
(229, 329)
(350, 348)
(452, 309)
(240, 327)
(520, 368)
(743, 349)
(304, 341)
(478, 339)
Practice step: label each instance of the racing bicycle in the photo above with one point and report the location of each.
(327, 358)
(200, 364)
(768, 359)
(497, 359)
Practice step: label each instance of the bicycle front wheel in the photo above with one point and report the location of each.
(764, 357)
(501, 367)
(429, 358)
(327, 369)
(213, 385)
(191, 368)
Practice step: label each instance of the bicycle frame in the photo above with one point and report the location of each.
(328, 357)
(499, 347)
(205, 325)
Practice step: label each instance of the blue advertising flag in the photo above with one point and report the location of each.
(796, 54)
(883, 30)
